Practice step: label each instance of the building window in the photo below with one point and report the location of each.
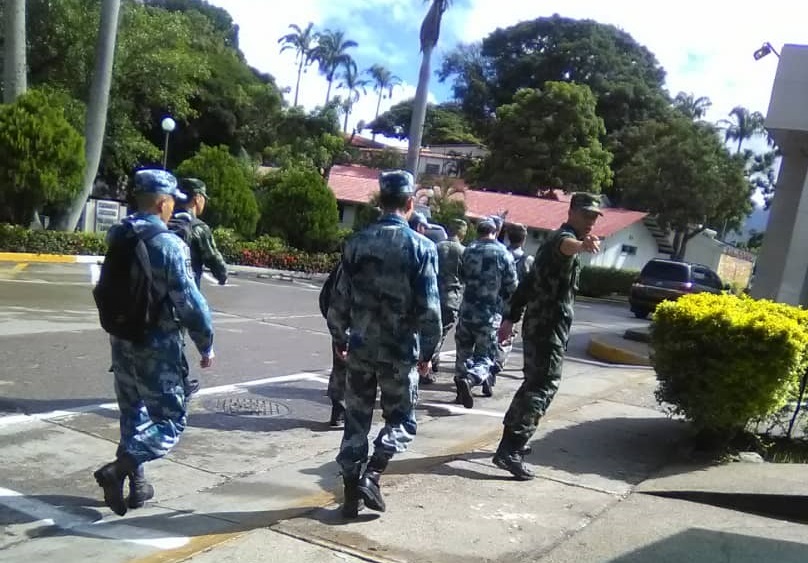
(628, 250)
(432, 169)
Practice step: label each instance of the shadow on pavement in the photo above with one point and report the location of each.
(12, 405)
(706, 546)
(13, 508)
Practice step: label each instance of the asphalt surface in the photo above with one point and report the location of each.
(54, 355)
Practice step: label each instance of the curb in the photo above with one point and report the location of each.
(30, 257)
(612, 300)
(602, 350)
(271, 273)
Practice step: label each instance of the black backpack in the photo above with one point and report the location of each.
(182, 228)
(328, 289)
(127, 304)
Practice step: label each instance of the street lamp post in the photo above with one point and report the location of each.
(168, 126)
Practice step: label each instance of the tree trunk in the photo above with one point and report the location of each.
(97, 108)
(416, 132)
(297, 86)
(378, 106)
(328, 92)
(14, 68)
(347, 114)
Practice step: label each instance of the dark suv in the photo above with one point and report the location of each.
(670, 279)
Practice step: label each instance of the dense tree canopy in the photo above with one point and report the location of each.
(444, 124)
(682, 172)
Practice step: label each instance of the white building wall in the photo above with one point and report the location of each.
(628, 249)
(349, 211)
(703, 249)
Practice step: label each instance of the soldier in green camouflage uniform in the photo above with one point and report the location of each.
(489, 276)
(546, 297)
(196, 233)
(450, 286)
(384, 316)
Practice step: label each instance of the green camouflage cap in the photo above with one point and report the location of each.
(586, 202)
(193, 186)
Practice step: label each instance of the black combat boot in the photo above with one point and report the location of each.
(509, 456)
(191, 387)
(140, 490)
(110, 477)
(369, 483)
(337, 414)
(464, 391)
(351, 505)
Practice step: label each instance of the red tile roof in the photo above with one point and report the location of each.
(357, 184)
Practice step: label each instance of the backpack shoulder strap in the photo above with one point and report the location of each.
(151, 231)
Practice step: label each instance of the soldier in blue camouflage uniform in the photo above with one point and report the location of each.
(385, 315)
(149, 376)
(490, 280)
(546, 297)
(450, 286)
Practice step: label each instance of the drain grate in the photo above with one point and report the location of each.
(250, 407)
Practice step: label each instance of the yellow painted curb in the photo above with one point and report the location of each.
(615, 355)
(41, 258)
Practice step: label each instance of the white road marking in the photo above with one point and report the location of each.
(457, 409)
(14, 419)
(213, 280)
(49, 515)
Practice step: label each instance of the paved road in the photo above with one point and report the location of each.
(257, 449)
(55, 356)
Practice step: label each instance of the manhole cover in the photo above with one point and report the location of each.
(249, 406)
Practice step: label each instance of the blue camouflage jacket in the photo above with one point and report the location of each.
(387, 295)
(182, 305)
(489, 275)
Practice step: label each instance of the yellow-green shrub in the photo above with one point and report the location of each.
(722, 360)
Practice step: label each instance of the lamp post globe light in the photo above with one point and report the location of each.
(168, 126)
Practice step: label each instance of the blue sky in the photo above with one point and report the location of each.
(705, 46)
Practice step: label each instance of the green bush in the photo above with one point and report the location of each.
(599, 282)
(298, 206)
(722, 360)
(230, 184)
(41, 157)
(19, 239)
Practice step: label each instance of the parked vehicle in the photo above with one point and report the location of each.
(662, 280)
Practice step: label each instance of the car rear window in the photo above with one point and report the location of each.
(666, 271)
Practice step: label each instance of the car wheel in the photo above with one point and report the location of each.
(641, 314)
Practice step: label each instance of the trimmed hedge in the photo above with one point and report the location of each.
(599, 282)
(14, 238)
(266, 252)
(723, 360)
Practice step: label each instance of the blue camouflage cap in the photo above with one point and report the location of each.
(497, 220)
(417, 218)
(155, 181)
(396, 182)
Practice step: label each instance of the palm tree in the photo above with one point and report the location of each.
(355, 86)
(96, 121)
(383, 81)
(331, 55)
(430, 32)
(691, 106)
(302, 42)
(745, 125)
(14, 70)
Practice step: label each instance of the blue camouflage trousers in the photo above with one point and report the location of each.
(399, 394)
(478, 343)
(151, 396)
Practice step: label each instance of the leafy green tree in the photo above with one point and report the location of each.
(743, 126)
(383, 81)
(298, 206)
(42, 157)
(691, 106)
(445, 198)
(430, 33)
(230, 183)
(331, 54)
(624, 76)
(355, 86)
(302, 41)
(307, 139)
(682, 173)
(547, 139)
(444, 124)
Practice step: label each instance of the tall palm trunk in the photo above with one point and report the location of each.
(14, 69)
(97, 108)
(328, 92)
(347, 114)
(297, 86)
(378, 107)
(419, 111)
